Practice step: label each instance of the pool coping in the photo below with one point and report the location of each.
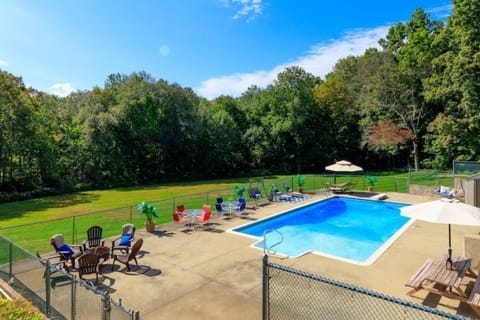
(371, 258)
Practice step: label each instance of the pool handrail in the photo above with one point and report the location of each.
(265, 250)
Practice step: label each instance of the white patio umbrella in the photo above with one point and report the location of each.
(342, 166)
(445, 211)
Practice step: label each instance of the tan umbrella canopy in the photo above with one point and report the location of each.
(445, 211)
(343, 166)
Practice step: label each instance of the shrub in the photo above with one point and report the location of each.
(18, 310)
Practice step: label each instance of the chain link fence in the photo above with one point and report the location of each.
(293, 294)
(56, 293)
(35, 237)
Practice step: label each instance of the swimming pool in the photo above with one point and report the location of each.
(350, 229)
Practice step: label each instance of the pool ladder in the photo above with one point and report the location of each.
(268, 250)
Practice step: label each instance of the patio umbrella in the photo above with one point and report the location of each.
(342, 166)
(445, 211)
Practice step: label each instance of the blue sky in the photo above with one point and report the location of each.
(214, 47)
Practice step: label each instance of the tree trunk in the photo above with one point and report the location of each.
(416, 156)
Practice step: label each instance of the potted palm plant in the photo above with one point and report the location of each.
(239, 190)
(371, 182)
(301, 182)
(148, 210)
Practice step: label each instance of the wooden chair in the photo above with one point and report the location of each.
(94, 238)
(127, 257)
(88, 263)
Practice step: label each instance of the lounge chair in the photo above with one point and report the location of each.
(342, 187)
(443, 191)
(289, 191)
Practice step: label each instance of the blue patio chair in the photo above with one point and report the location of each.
(241, 205)
(220, 209)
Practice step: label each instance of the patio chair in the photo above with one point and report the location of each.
(220, 209)
(204, 219)
(181, 209)
(290, 193)
(179, 218)
(88, 263)
(241, 205)
(123, 242)
(125, 258)
(277, 194)
(255, 195)
(286, 188)
(206, 208)
(67, 253)
(94, 238)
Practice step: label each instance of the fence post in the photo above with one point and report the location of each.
(265, 289)
(73, 297)
(73, 230)
(47, 288)
(131, 214)
(106, 307)
(10, 260)
(136, 315)
(207, 197)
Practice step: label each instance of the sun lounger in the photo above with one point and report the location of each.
(342, 187)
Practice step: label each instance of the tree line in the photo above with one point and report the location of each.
(413, 103)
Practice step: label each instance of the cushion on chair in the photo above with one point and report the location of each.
(66, 250)
(125, 239)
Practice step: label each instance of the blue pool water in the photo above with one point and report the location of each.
(356, 230)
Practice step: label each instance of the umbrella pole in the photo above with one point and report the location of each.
(449, 259)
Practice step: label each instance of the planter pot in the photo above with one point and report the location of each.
(270, 197)
(370, 188)
(300, 190)
(150, 226)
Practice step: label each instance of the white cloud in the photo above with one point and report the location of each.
(441, 13)
(319, 61)
(248, 8)
(61, 89)
(3, 63)
(164, 51)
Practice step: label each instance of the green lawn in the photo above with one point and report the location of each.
(31, 223)
(46, 208)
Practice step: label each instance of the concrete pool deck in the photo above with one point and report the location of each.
(215, 274)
